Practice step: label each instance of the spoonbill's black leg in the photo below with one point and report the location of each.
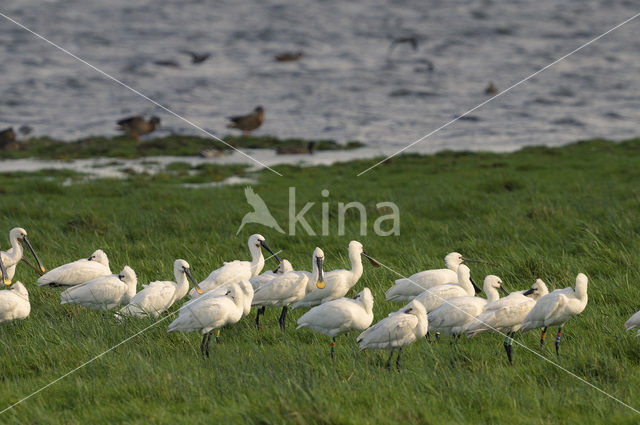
(542, 336)
(260, 311)
(217, 341)
(389, 360)
(398, 358)
(558, 336)
(283, 317)
(508, 347)
(204, 345)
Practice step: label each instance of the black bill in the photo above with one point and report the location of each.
(265, 246)
(26, 240)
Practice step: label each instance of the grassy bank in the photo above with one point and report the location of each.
(540, 212)
(127, 147)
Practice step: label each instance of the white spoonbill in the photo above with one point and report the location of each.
(77, 272)
(284, 267)
(235, 271)
(506, 314)
(453, 315)
(555, 308)
(12, 256)
(408, 288)
(433, 298)
(158, 296)
(14, 303)
(633, 323)
(286, 289)
(337, 282)
(208, 313)
(245, 290)
(339, 316)
(396, 330)
(103, 293)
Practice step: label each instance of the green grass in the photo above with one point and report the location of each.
(127, 147)
(540, 212)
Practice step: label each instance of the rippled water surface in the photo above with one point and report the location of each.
(348, 85)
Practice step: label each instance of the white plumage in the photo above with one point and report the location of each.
(452, 316)
(633, 323)
(507, 314)
(434, 297)
(245, 290)
(396, 330)
(208, 313)
(557, 307)
(14, 303)
(288, 288)
(236, 271)
(103, 293)
(77, 272)
(406, 289)
(158, 296)
(13, 255)
(339, 316)
(284, 267)
(337, 282)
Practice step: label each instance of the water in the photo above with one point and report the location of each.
(346, 87)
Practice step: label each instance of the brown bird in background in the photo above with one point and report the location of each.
(8, 140)
(137, 126)
(248, 123)
(491, 89)
(289, 56)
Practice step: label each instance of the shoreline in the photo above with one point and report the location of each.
(119, 167)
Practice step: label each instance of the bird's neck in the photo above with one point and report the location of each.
(356, 265)
(465, 282)
(182, 284)
(131, 292)
(492, 294)
(14, 254)
(257, 262)
(581, 291)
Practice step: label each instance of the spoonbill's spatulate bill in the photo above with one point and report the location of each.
(507, 314)
(12, 257)
(103, 293)
(406, 289)
(396, 330)
(339, 316)
(77, 272)
(452, 316)
(433, 298)
(556, 308)
(158, 296)
(236, 271)
(208, 313)
(633, 323)
(287, 289)
(14, 303)
(284, 267)
(337, 282)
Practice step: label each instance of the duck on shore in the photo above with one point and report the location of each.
(137, 126)
(247, 123)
